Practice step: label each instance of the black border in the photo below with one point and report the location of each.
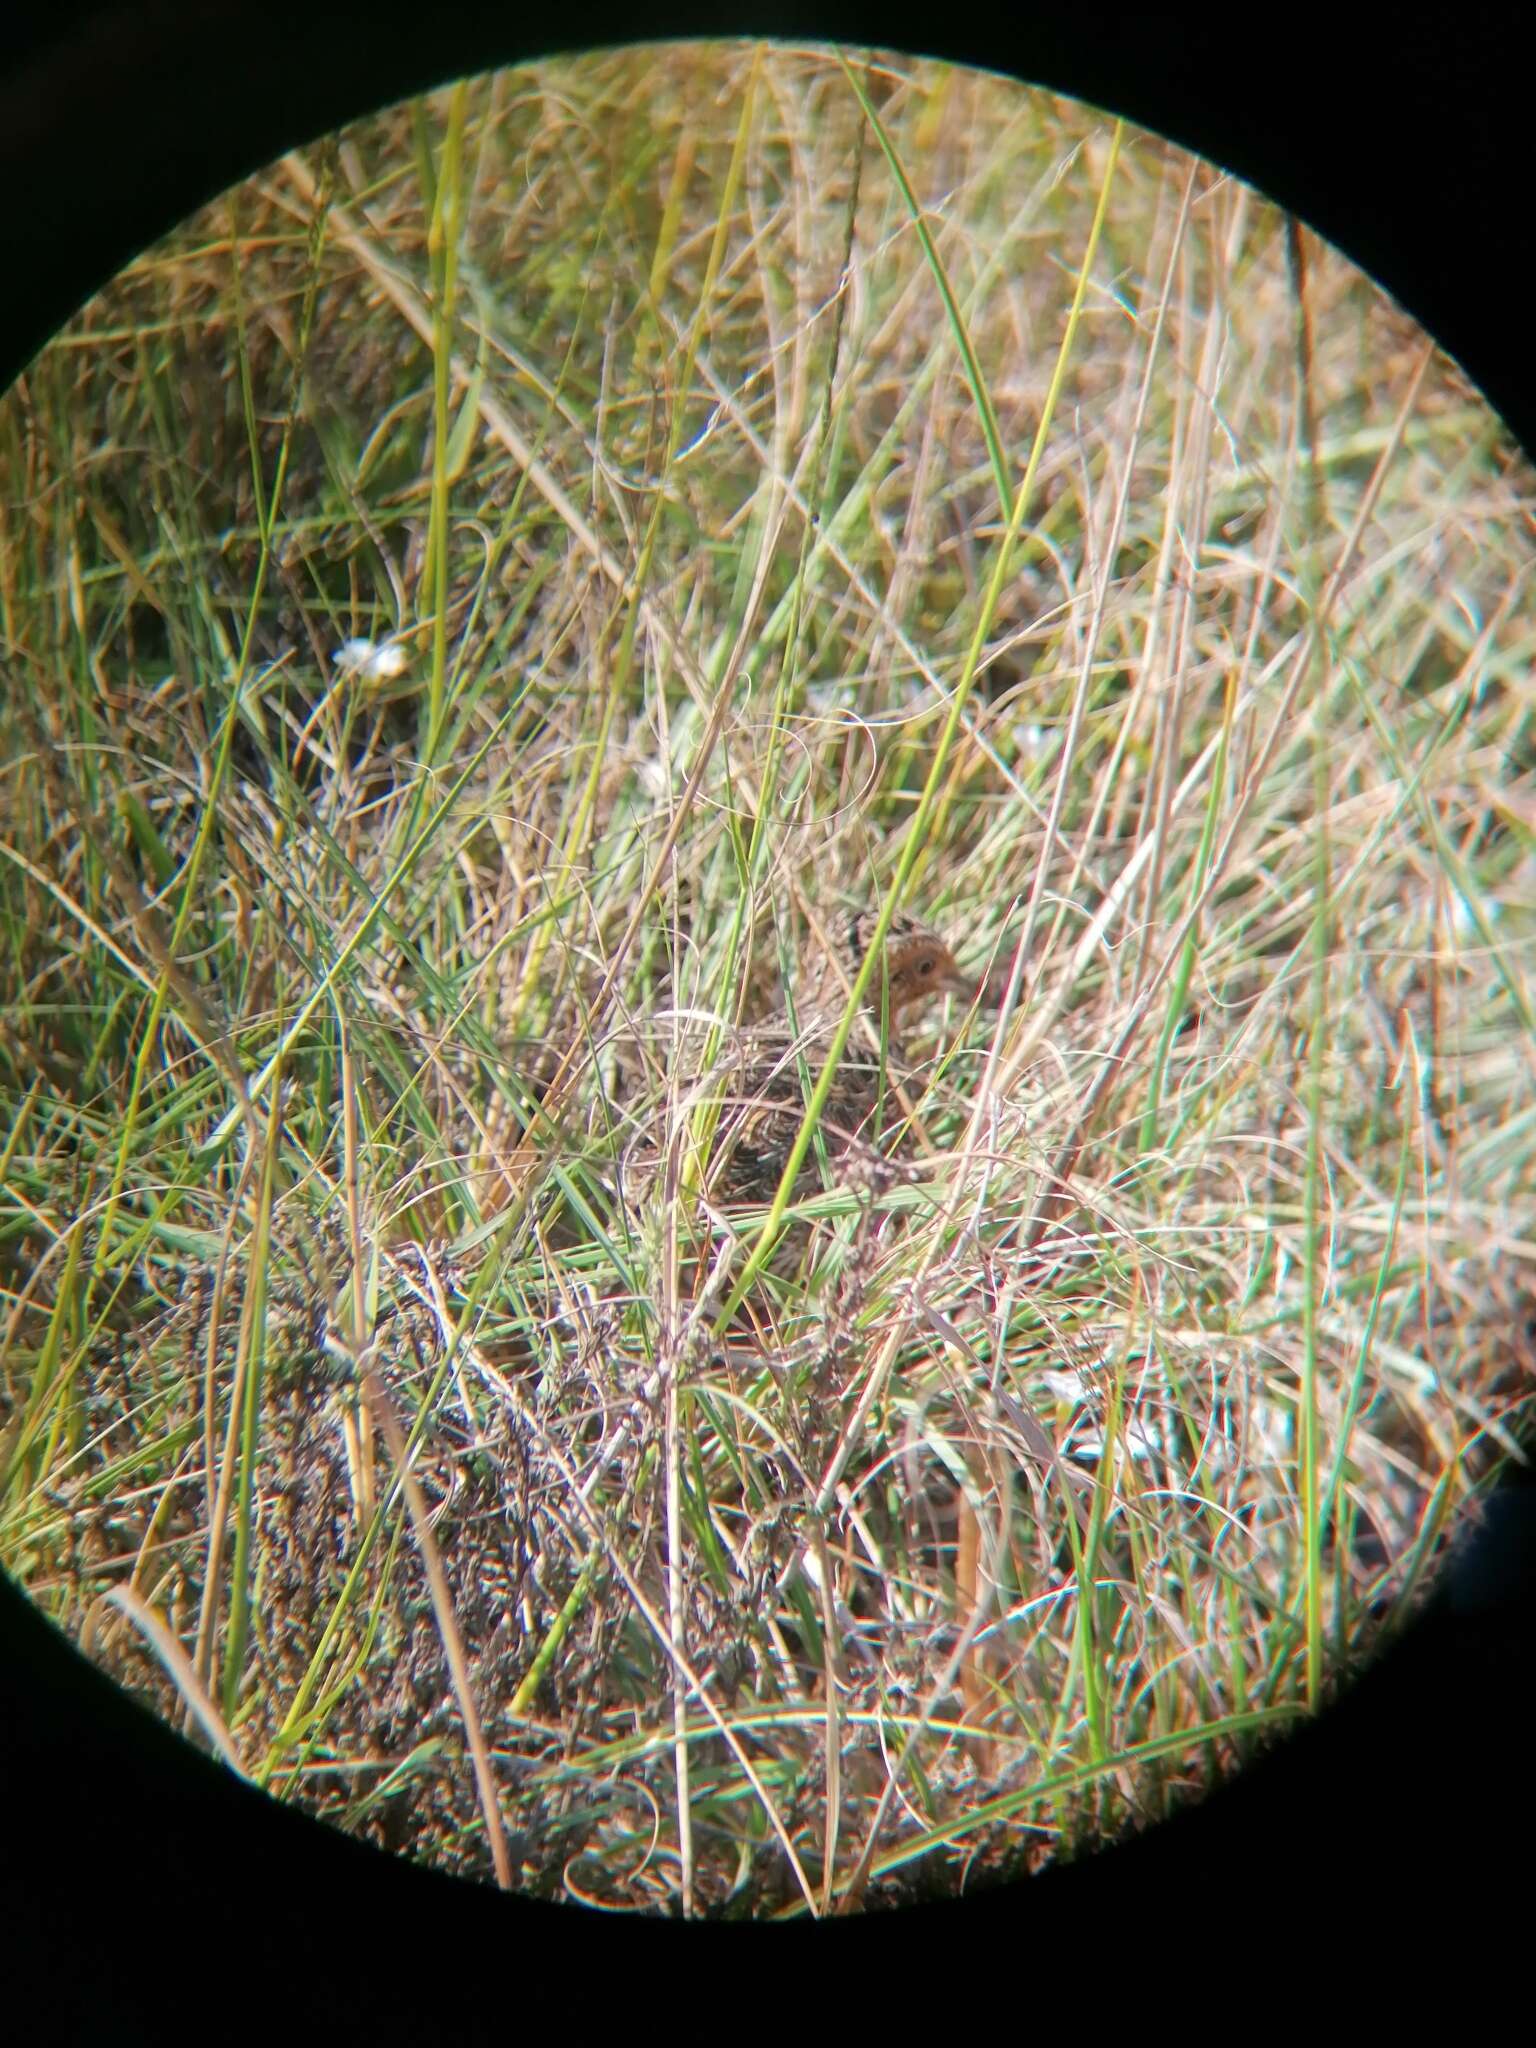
(1403, 140)
(1408, 1808)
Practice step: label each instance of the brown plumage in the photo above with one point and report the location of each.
(918, 967)
(762, 1078)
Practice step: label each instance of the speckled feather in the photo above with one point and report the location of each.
(758, 1076)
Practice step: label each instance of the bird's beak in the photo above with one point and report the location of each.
(963, 985)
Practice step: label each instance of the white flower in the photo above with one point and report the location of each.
(370, 661)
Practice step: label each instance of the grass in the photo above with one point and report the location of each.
(745, 489)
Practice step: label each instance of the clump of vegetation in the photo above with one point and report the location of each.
(478, 603)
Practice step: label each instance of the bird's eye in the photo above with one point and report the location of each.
(926, 965)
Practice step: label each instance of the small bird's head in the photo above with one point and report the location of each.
(919, 967)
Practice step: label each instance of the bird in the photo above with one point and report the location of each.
(918, 967)
(760, 1080)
